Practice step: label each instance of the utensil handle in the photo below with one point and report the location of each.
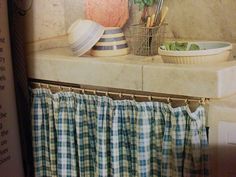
(164, 13)
(152, 20)
(148, 22)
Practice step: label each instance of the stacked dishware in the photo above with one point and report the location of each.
(83, 35)
(112, 43)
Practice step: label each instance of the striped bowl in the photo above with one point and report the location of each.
(112, 43)
(83, 35)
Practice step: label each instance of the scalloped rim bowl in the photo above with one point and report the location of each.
(210, 52)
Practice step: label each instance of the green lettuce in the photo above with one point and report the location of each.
(179, 46)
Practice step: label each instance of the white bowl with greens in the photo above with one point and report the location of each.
(195, 52)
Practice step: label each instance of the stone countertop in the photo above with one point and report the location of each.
(148, 74)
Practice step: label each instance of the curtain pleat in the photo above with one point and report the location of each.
(93, 136)
(41, 119)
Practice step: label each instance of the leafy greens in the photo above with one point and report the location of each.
(143, 3)
(180, 46)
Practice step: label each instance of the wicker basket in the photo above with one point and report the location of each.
(145, 41)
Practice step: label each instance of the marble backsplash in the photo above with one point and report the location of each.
(202, 19)
(187, 19)
(45, 20)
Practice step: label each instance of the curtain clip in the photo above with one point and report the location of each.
(120, 95)
(83, 91)
(169, 101)
(95, 92)
(186, 102)
(106, 94)
(150, 98)
(133, 97)
(60, 88)
(202, 101)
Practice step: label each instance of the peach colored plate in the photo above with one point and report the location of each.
(109, 13)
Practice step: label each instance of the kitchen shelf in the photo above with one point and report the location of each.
(131, 72)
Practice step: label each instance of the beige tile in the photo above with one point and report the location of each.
(74, 9)
(135, 73)
(187, 19)
(198, 20)
(172, 79)
(45, 20)
(203, 20)
(60, 41)
(62, 66)
(227, 84)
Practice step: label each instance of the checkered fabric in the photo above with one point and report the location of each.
(91, 136)
(44, 146)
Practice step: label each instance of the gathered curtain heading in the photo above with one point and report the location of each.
(87, 135)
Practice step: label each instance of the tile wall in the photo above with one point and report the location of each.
(187, 19)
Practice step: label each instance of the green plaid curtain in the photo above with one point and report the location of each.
(92, 136)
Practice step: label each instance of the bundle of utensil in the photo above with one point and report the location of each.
(157, 18)
(150, 29)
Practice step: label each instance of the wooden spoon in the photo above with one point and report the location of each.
(163, 15)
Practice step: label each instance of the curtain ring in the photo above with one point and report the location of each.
(169, 101)
(202, 101)
(95, 92)
(83, 91)
(186, 102)
(106, 94)
(133, 97)
(150, 98)
(60, 88)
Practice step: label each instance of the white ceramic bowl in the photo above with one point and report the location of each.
(210, 52)
(83, 35)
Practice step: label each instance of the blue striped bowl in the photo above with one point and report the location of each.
(112, 43)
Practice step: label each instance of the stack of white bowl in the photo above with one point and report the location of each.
(84, 35)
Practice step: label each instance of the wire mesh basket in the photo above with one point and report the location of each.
(145, 41)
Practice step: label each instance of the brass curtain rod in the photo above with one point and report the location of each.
(60, 87)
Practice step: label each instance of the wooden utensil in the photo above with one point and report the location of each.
(152, 20)
(163, 15)
(148, 22)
